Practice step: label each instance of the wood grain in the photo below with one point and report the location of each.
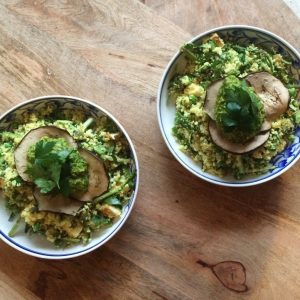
(196, 16)
(115, 54)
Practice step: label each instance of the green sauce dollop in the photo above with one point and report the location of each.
(239, 111)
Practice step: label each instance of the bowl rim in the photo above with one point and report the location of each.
(159, 101)
(41, 254)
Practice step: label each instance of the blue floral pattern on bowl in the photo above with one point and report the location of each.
(281, 160)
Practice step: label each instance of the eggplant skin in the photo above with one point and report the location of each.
(211, 97)
(56, 203)
(98, 179)
(236, 148)
(274, 95)
(266, 126)
(32, 137)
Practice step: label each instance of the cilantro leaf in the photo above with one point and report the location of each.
(45, 185)
(233, 106)
(241, 108)
(35, 171)
(244, 84)
(228, 122)
(245, 111)
(46, 169)
(44, 147)
(63, 154)
(64, 185)
(55, 170)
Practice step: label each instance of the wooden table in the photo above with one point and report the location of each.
(114, 53)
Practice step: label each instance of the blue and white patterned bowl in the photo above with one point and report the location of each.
(36, 245)
(240, 34)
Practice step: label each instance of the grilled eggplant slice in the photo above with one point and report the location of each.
(32, 137)
(56, 203)
(236, 148)
(266, 126)
(98, 179)
(211, 97)
(274, 95)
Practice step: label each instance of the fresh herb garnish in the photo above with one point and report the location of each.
(239, 110)
(46, 169)
(114, 201)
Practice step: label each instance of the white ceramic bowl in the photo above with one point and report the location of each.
(239, 34)
(36, 245)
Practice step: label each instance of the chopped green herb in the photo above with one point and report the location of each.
(114, 201)
(100, 220)
(14, 229)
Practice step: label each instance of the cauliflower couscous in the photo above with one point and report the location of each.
(211, 62)
(102, 140)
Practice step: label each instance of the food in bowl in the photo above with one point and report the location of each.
(236, 106)
(63, 175)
